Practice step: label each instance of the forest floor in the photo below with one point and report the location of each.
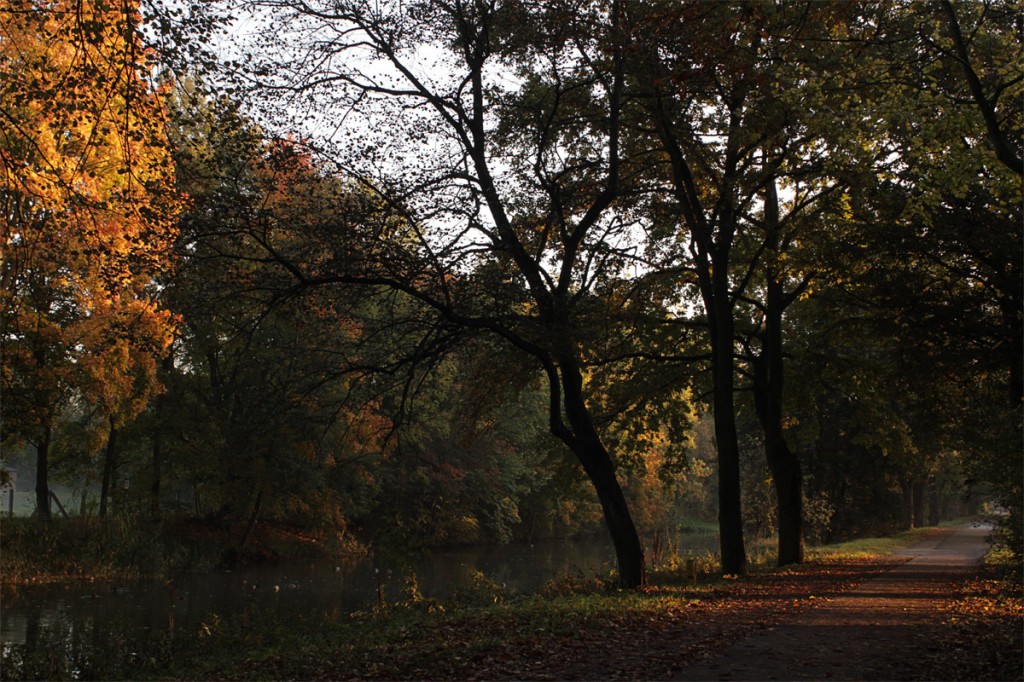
(927, 612)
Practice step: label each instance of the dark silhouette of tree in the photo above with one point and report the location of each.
(502, 162)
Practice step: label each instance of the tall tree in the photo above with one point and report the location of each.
(516, 176)
(276, 376)
(697, 87)
(731, 92)
(88, 201)
(957, 133)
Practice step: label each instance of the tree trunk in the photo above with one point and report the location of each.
(730, 509)
(154, 485)
(629, 551)
(109, 467)
(769, 381)
(907, 515)
(597, 463)
(917, 492)
(158, 443)
(1014, 322)
(42, 475)
(788, 482)
(250, 525)
(934, 503)
(711, 260)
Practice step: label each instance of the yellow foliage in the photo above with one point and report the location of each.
(89, 204)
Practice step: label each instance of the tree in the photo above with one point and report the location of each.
(956, 192)
(88, 202)
(677, 75)
(990, 79)
(734, 96)
(273, 377)
(516, 177)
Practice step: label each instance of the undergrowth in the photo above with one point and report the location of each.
(92, 548)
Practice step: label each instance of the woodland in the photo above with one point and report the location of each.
(439, 272)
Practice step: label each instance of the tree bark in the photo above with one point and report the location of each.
(109, 466)
(787, 478)
(42, 475)
(1013, 321)
(769, 382)
(934, 503)
(907, 517)
(629, 551)
(158, 444)
(711, 260)
(787, 475)
(917, 494)
(997, 137)
(586, 444)
(710, 255)
(730, 509)
(250, 525)
(154, 485)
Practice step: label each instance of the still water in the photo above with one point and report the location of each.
(285, 591)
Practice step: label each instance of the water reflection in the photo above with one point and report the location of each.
(292, 590)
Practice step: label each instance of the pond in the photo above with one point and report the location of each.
(289, 590)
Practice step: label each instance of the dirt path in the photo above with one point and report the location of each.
(881, 630)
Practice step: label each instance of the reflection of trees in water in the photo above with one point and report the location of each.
(89, 618)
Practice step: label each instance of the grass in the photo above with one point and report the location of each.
(409, 641)
(867, 548)
(91, 548)
(529, 637)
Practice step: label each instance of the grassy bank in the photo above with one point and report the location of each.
(479, 634)
(89, 548)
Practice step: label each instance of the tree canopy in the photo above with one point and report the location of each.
(88, 208)
(384, 265)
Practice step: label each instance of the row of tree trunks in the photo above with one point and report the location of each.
(926, 503)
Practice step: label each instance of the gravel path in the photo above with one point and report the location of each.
(878, 631)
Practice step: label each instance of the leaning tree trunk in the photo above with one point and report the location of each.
(597, 463)
(629, 551)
